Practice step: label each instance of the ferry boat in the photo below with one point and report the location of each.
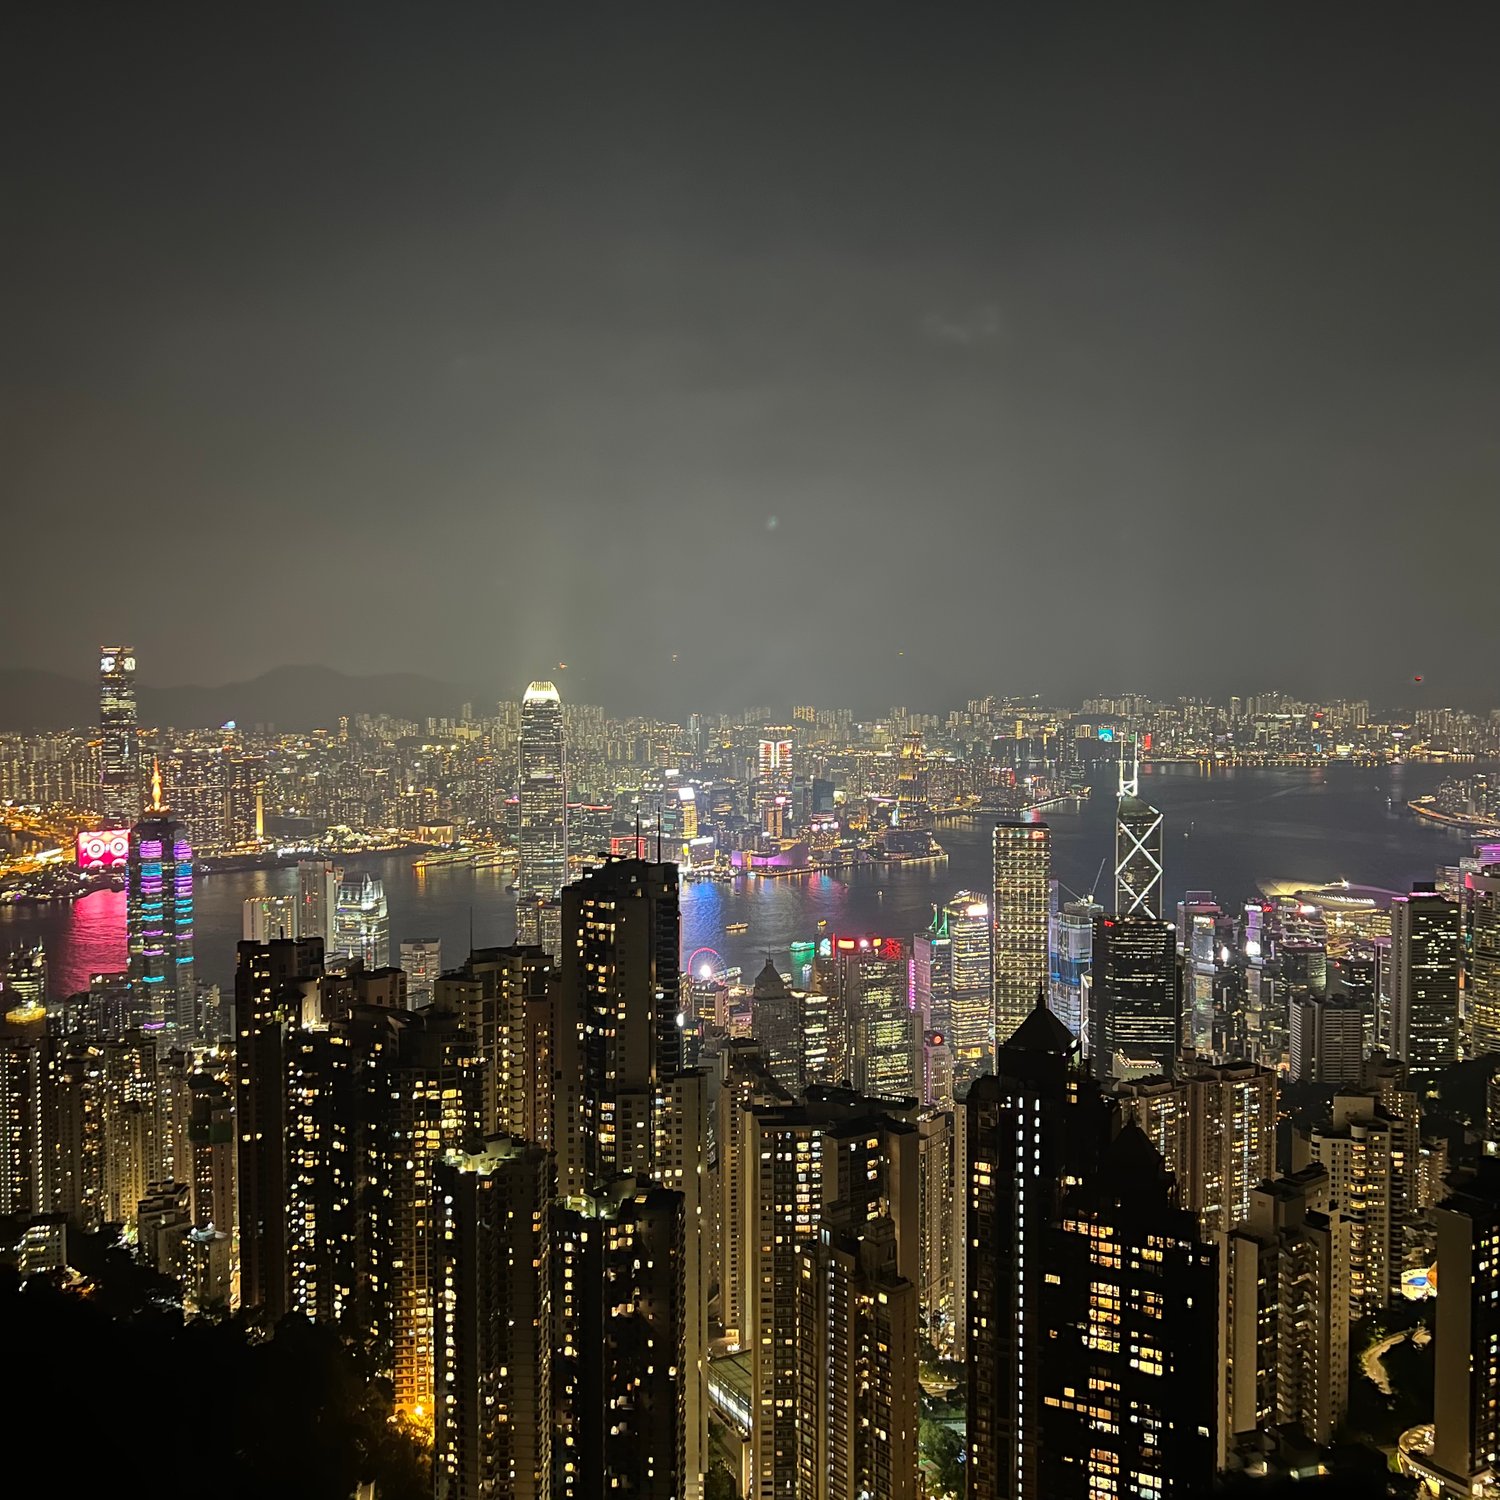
(736, 927)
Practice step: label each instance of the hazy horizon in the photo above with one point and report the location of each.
(878, 356)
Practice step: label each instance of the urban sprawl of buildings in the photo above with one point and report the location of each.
(1060, 1196)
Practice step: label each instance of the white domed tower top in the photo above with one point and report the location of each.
(541, 692)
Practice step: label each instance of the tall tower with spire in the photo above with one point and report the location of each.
(159, 919)
(1138, 846)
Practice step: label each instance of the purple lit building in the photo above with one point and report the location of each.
(159, 921)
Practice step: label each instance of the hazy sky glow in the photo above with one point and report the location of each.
(1057, 348)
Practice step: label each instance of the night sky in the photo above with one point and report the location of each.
(1059, 348)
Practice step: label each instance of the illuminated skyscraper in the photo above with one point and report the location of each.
(912, 808)
(1033, 1126)
(620, 995)
(967, 920)
(119, 764)
(422, 962)
(1138, 850)
(22, 1076)
(317, 897)
(833, 1154)
(882, 1029)
(1018, 914)
(1483, 998)
(857, 1335)
(1135, 1020)
(268, 979)
(1359, 1149)
(1129, 1349)
(1467, 1351)
(1286, 1312)
(424, 1098)
(159, 920)
(773, 771)
(543, 801)
(1426, 944)
(266, 918)
(361, 923)
(1070, 955)
(493, 1335)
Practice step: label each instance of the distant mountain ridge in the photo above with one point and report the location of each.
(291, 698)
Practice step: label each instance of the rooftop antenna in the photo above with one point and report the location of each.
(1130, 785)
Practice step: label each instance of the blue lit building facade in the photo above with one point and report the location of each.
(159, 921)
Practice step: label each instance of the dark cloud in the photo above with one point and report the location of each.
(1065, 348)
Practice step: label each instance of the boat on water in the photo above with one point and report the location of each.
(736, 927)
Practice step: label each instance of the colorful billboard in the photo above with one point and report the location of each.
(104, 849)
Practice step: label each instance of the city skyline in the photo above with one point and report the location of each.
(751, 753)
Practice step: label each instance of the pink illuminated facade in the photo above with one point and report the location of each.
(159, 924)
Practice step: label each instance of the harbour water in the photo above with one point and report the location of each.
(1228, 832)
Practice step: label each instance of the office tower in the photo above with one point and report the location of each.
(1466, 1439)
(1138, 851)
(1130, 1368)
(881, 1029)
(1135, 1020)
(265, 919)
(361, 923)
(543, 796)
(936, 1086)
(932, 972)
(502, 999)
(1482, 999)
(857, 1344)
(799, 1160)
(912, 807)
(269, 982)
(1215, 1127)
(119, 766)
(966, 919)
(1304, 965)
(159, 920)
(422, 963)
(1327, 1039)
(1197, 926)
(619, 985)
(1356, 1150)
(1426, 942)
(935, 1226)
(1018, 917)
(773, 1023)
(23, 1071)
(1033, 1126)
(1070, 953)
(211, 1152)
(773, 772)
(317, 899)
(1286, 1312)
(423, 1097)
(492, 1338)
